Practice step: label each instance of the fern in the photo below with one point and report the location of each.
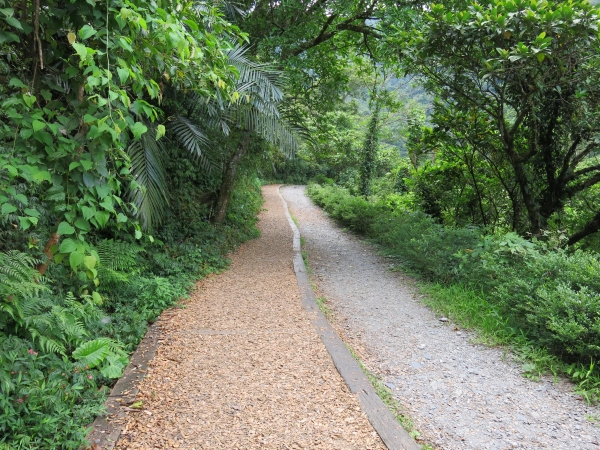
(18, 276)
(118, 256)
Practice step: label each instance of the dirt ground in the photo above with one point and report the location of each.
(241, 366)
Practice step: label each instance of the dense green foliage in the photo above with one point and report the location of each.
(107, 184)
(526, 289)
(462, 136)
(486, 186)
(518, 105)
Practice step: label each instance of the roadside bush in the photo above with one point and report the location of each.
(44, 399)
(550, 294)
(61, 348)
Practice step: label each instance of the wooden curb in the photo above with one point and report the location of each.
(106, 429)
(390, 431)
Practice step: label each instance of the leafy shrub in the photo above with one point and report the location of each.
(44, 399)
(322, 179)
(60, 348)
(549, 294)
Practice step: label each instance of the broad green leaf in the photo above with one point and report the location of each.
(11, 170)
(89, 262)
(138, 234)
(97, 298)
(88, 212)
(190, 23)
(68, 246)
(24, 222)
(86, 32)
(160, 131)
(75, 260)
(82, 224)
(65, 228)
(108, 204)
(7, 208)
(14, 22)
(114, 366)
(6, 37)
(22, 199)
(123, 75)
(138, 129)
(102, 217)
(73, 165)
(38, 125)
(42, 175)
(125, 44)
(15, 82)
(92, 353)
(29, 99)
(32, 212)
(87, 165)
(81, 50)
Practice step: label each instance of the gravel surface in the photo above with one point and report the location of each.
(242, 367)
(460, 395)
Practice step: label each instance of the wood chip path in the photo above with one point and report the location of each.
(242, 367)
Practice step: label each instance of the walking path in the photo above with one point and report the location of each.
(242, 367)
(460, 395)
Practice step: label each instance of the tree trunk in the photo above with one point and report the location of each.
(370, 151)
(537, 223)
(54, 238)
(229, 178)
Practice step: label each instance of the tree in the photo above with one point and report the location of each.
(369, 151)
(528, 70)
(84, 80)
(252, 113)
(256, 115)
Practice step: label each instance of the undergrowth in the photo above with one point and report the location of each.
(540, 300)
(61, 348)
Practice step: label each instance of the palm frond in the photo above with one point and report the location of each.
(193, 140)
(148, 169)
(255, 79)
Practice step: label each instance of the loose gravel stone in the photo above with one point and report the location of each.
(466, 396)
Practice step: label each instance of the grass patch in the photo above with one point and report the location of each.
(325, 309)
(386, 395)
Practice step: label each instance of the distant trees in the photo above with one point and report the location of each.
(517, 86)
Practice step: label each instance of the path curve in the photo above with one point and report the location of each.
(242, 367)
(460, 395)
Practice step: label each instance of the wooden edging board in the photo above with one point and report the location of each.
(390, 431)
(106, 429)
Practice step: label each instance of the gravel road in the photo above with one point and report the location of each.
(459, 394)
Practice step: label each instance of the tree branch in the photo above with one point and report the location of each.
(578, 158)
(583, 185)
(325, 35)
(591, 227)
(583, 172)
